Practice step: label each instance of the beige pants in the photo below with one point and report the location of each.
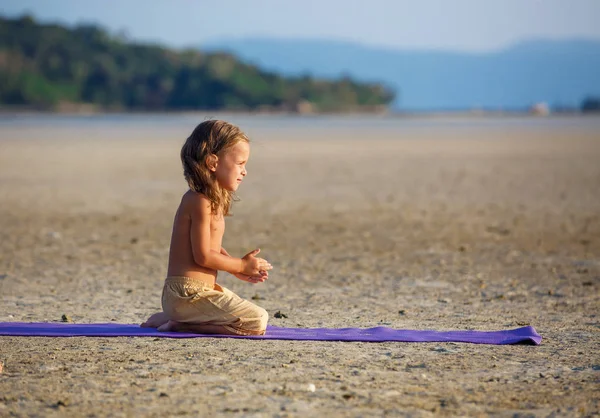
(192, 301)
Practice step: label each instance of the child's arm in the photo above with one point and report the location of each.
(200, 213)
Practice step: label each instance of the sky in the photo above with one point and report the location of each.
(457, 25)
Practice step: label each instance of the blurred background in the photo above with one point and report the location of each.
(301, 57)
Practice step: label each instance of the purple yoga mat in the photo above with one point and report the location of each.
(524, 335)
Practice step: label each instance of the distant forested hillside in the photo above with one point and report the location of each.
(47, 66)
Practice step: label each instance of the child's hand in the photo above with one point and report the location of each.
(263, 275)
(253, 266)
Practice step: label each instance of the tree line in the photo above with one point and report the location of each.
(45, 66)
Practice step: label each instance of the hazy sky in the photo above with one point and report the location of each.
(473, 25)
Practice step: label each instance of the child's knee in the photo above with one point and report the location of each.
(256, 324)
(259, 324)
(264, 318)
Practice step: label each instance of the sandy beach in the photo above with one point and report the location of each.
(451, 227)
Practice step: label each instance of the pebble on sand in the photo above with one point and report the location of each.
(55, 235)
(62, 402)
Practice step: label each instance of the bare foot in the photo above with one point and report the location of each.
(169, 326)
(174, 326)
(155, 320)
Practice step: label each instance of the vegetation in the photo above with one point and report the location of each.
(46, 66)
(590, 104)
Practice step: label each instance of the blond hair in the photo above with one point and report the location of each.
(210, 137)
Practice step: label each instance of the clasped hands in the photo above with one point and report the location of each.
(254, 269)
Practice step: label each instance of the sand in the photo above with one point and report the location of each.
(443, 229)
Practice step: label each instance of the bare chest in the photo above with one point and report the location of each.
(217, 227)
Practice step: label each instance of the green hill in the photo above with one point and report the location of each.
(47, 66)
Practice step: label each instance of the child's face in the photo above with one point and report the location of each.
(231, 166)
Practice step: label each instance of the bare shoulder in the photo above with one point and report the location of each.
(195, 203)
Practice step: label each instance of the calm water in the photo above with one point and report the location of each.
(182, 124)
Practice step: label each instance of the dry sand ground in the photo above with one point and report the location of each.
(439, 229)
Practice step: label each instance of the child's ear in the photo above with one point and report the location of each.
(211, 162)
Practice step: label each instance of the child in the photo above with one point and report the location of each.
(214, 161)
